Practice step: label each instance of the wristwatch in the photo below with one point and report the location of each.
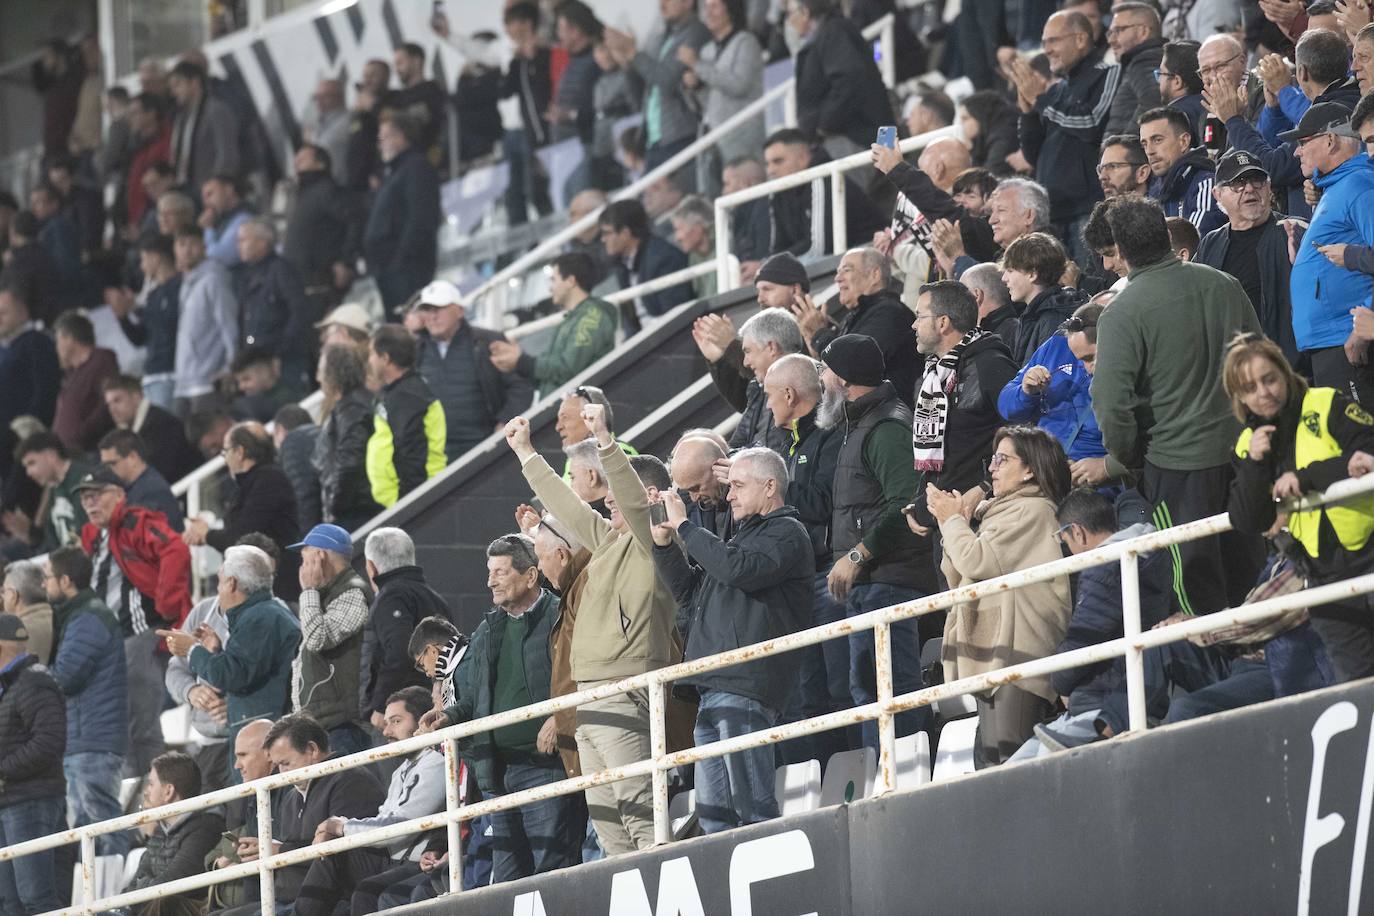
(855, 556)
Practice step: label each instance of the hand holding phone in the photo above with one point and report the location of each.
(887, 136)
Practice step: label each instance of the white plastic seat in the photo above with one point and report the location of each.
(797, 787)
(109, 872)
(955, 754)
(131, 866)
(127, 789)
(849, 777)
(959, 707)
(913, 760)
(176, 726)
(682, 813)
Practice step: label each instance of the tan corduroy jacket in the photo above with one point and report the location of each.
(1017, 531)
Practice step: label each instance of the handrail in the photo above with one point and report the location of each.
(884, 710)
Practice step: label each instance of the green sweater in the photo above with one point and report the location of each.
(887, 452)
(585, 334)
(1157, 390)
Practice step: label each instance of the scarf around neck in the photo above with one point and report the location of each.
(932, 405)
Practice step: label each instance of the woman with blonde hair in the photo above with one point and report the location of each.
(1015, 529)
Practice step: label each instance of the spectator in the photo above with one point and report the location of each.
(988, 123)
(416, 790)
(162, 434)
(340, 457)
(877, 561)
(1182, 176)
(585, 475)
(1032, 268)
(48, 463)
(176, 846)
(693, 222)
(57, 76)
(33, 733)
(727, 70)
(323, 230)
(205, 131)
(1298, 440)
(1124, 168)
(872, 309)
(250, 762)
(82, 204)
(408, 437)
(81, 417)
(625, 624)
(329, 129)
(996, 313)
(275, 311)
(1097, 235)
(175, 212)
(1135, 39)
(787, 152)
(1322, 65)
(573, 112)
(399, 241)
(209, 714)
(30, 272)
(252, 667)
(403, 599)
(763, 340)
(1018, 207)
(1180, 85)
(748, 589)
(693, 465)
(26, 599)
(639, 256)
(150, 130)
(1174, 354)
(1062, 124)
(124, 452)
(362, 163)
(261, 390)
(529, 78)
(90, 668)
(926, 111)
(223, 212)
(57, 233)
(347, 324)
(586, 333)
(295, 436)
(1323, 293)
(207, 325)
(1088, 520)
(29, 373)
(1016, 530)
(514, 637)
(420, 100)
(116, 322)
(840, 94)
(263, 502)
(1183, 237)
(206, 430)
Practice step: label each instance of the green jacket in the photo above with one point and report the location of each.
(475, 681)
(1157, 390)
(63, 515)
(585, 334)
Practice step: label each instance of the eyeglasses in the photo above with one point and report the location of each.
(1063, 529)
(1000, 458)
(544, 522)
(420, 660)
(1206, 72)
(1118, 29)
(1159, 74)
(1074, 324)
(1240, 184)
(1109, 166)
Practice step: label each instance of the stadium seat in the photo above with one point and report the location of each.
(176, 726)
(954, 756)
(682, 813)
(849, 777)
(913, 761)
(128, 789)
(960, 707)
(131, 866)
(109, 872)
(797, 787)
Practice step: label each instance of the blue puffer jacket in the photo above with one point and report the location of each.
(1064, 406)
(90, 669)
(1097, 619)
(1323, 294)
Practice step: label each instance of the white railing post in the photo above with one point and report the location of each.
(789, 104)
(732, 275)
(722, 248)
(658, 747)
(887, 51)
(267, 887)
(88, 866)
(839, 227)
(453, 803)
(193, 511)
(1130, 616)
(887, 731)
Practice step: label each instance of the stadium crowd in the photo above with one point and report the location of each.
(1135, 291)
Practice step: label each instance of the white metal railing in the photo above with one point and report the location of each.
(815, 175)
(1132, 645)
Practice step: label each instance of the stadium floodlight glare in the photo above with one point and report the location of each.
(335, 6)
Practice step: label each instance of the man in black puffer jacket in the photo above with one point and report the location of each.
(33, 737)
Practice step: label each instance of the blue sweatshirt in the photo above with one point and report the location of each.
(1063, 406)
(1323, 294)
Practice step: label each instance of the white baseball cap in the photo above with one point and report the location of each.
(439, 294)
(350, 315)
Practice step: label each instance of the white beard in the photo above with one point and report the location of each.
(830, 411)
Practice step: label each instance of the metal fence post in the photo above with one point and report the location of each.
(267, 888)
(789, 104)
(1130, 616)
(887, 732)
(722, 249)
(888, 51)
(453, 802)
(839, 228)
(658, 747)
(88, 866)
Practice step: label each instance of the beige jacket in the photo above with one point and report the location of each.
(1005, 628)
(626, 617)
(38, 621)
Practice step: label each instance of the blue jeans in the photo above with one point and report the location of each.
(824, 687)
(347, 739)
(29, 884)
(93, 795)
(539, 836)
(1081, 726)
(735, 789)
(906, 657)
(1247, 682)
(527, 179)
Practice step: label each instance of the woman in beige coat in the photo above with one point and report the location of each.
(1016, 529)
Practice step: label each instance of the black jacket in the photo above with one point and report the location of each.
(918, 196)
(295, 457)
(883, 317)
(1061, 136)
(742, 391)
(33, 273)
(531, 81)
(274, 313)
(403, 224)
(403, 600)
(504, 394)
(1138, 90)
(265, 503)
(351, 793)
(1005, 322)
(756, 586)
(792, 218)
(656, 258)
(1040, 320)
(810, 458)
(984, 369)
(168, 448)
(341, 462)
(179, 852)
(33, 734)
(839, 89)
(325, 228)
(1275, 305)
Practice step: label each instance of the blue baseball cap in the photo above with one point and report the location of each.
(327, 537)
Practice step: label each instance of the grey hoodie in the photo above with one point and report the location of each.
(208, 331)
(180, 680)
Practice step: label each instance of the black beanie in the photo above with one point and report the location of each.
(857, 359)
(785, 270)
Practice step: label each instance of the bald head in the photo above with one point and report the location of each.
(943, 161)
(988, 288)
(691, 468)
(583, 203)
(1221, 59)
(250, 756)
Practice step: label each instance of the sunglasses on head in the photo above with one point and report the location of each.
(1075, 324)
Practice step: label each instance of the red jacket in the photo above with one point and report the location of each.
(152, 557)
(158, 149)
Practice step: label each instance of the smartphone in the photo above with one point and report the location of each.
(230, 836)
(887, 136)
(658, 514)
(537, 505)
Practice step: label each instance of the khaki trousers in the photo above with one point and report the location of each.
(611, 733)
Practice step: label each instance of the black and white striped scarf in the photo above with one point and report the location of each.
(933, 403)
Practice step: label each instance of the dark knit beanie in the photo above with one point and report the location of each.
(785, 270)
(857, 359)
